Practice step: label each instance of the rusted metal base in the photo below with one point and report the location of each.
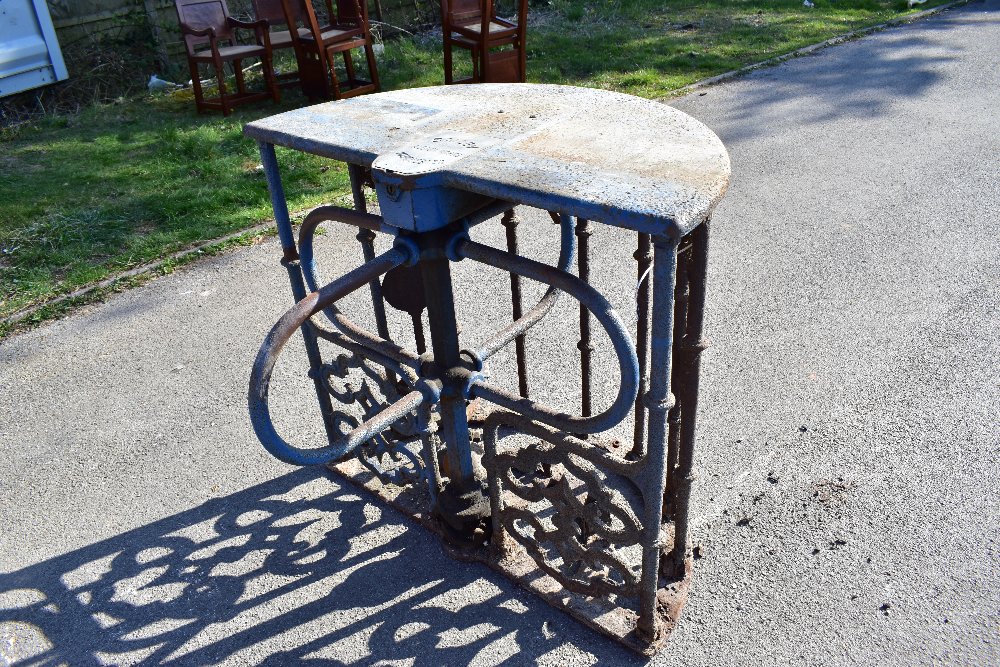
(602, 614)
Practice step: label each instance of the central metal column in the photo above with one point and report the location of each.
(462, 505)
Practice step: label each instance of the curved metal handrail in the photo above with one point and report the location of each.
(408, 365)
(270, 349)
(307, 260)
(628, 363)
(567, 248)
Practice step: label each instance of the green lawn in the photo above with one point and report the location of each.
(116, 186)
(122, 185)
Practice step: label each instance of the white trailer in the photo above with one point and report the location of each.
(29, 51)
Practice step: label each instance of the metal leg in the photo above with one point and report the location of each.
(290, 260)
(688, 370)
(659, 400)
(510, 221)
(269, 161)
(444, 343)
(585, 346)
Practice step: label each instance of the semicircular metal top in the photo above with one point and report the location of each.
(601, 155)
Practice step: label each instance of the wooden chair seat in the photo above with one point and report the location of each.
(496, 28)
(328, 36)
(282, 39)
(228, 53)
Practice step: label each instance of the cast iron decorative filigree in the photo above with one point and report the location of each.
(394, 454)
(570, 517)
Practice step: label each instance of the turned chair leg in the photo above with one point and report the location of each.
(199, 95)
(522, 62)
(352, 80)
(271, 79)
(328, 68)
(484, 64)
(372, 66)
(331, 64)
(241, 86)
(220, 76)
(448, 75)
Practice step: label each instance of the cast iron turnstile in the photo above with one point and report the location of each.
(596, 528)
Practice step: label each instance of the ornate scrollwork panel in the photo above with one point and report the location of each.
(571, 517)
(394, 455)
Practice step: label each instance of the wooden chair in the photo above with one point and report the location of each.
(207, 22)
(273, 11)
(346, 30)
(474, 25)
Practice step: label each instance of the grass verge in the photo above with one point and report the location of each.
(99, 291)
(118, 186)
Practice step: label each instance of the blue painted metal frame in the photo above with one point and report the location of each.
(428, 213)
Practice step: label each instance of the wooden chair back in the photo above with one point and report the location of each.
(461, 12)
(352, 12)
(201, 14)
(270, 11)
(300, 13)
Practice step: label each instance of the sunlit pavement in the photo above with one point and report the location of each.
(846, 509)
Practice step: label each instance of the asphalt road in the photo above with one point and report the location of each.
(846, 508)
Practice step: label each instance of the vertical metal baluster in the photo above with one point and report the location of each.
(644, 257)
(658, 401)
(682, 295)
(290, 260)
(418, 332)
(510, 221)
(689, 366)
(583, 263)
(367, 239)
